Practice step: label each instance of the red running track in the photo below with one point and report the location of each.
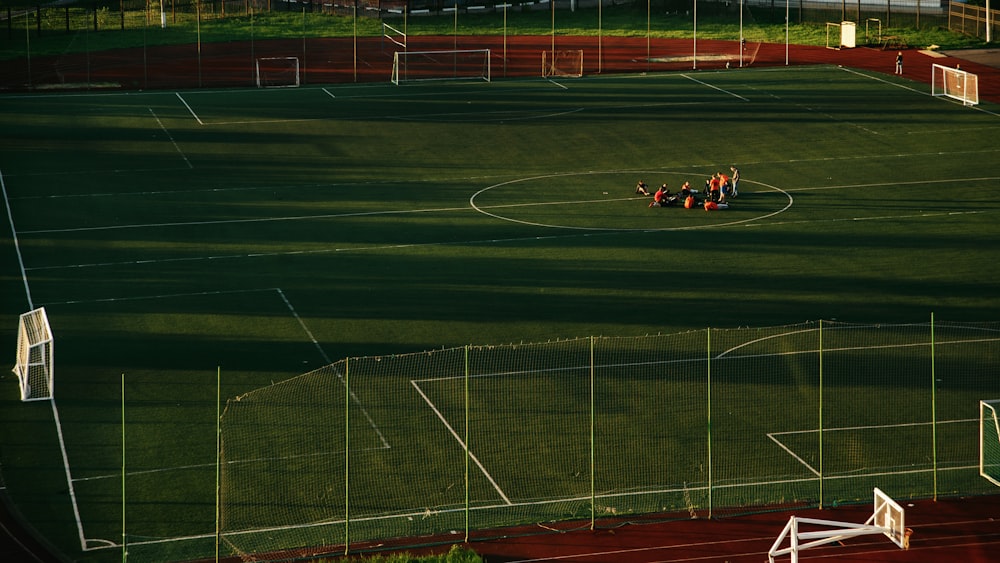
(341, 60)
(960, 530)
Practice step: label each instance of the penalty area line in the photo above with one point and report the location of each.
(727, 92)
(462, 443)
(193, 114)
(172, 141)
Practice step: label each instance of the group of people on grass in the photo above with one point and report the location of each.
(718, 190)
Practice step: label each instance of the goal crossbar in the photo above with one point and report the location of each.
(562, 63)
(453, 64)
(278, 72)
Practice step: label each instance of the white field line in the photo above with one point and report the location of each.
(719, 356)
(69, 475)
(911, 89)
(169, 136)
(921, 215)
(724, 91)
(774, 435)
(461, 442)
(340, 376)
(284, 299)
(195, 466)
(52, 400)
(183, 101)
(17, 245)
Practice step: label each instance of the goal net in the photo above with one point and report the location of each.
(989, 441)
(954, 83)
(278, 72)
(460, 64)
(566, 63)
(34, 356)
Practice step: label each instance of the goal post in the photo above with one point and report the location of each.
(989, 441)
(34, 363)
(565, 63)
(955, 83)
(457, 64)
(278, 72)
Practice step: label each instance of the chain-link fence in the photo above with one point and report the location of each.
(706, 423)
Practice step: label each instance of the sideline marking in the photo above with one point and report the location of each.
(17, 245)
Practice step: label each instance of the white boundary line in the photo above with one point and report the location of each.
(88, 544)
(461, 442)
(773, 436)
(17, 245)
(726, 92)
(193, 114)
(169, 136)
(52, 400)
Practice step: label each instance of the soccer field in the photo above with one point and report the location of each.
(197, 246)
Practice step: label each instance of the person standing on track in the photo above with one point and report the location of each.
(899, 63)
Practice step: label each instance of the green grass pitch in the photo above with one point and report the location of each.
(265, 233)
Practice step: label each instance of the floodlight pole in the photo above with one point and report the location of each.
(989, 34)
(786, 32)
(741, 34)
(600, 36)
(694, 52)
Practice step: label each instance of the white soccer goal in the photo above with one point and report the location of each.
(34, 365)
(844, 36)
(566, 63)
(459, 64)
(954, 83)
(887, 518)
(989, 441)
(278, 72)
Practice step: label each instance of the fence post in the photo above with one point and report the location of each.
(934, 410)
(347, 455)
(468, 506)
(708, 379)
(820, 424)
(593, 422)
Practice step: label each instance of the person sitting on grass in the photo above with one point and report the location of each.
(663, 197)
(640, 188)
